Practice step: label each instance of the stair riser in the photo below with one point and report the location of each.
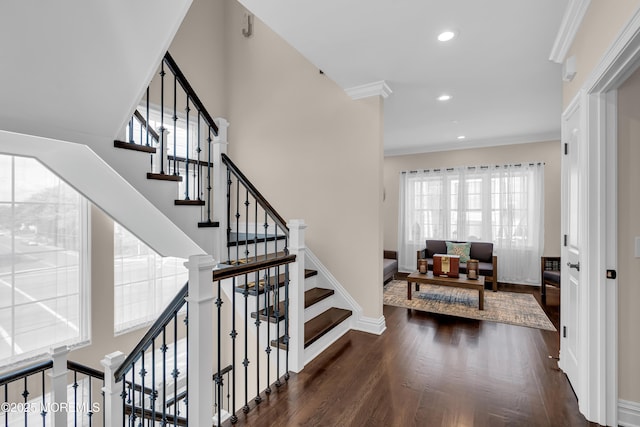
(311, 282)
(313, 350)
(322, 306)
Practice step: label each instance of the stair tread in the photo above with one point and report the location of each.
(311, 297)
(315, 295)
(253, 259)
(163, 177)
(309, 273)
(133, 146)
(207, 224)
(249, 238)
(315, 328)
(195, 202)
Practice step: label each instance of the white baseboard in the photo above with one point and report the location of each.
(370, 325)
(628, 413)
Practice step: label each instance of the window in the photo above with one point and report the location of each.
(145, 282)
(501, 204)
(43, 258)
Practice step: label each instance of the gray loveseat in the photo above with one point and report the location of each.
(390, 265)
(482, 251)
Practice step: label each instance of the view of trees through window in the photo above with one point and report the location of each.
(42, 248)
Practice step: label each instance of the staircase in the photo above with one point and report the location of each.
(248, 235)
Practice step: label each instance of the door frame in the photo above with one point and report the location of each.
(597, 389)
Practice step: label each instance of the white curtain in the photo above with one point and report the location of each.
(499, 204)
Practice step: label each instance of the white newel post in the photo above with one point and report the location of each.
(200, 347)
(58, 377)
(297, 247)
(219, 185)
(113, 405)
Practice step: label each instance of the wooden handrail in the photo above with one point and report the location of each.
(86, 370)
(165, 317)
(168, 59)
(25, 372)
(255, 193)
(250, 267)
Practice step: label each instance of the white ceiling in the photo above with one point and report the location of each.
(504, 87)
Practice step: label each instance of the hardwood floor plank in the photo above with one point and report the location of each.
(430, 370)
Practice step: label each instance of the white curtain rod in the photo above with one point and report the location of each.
(517, 165)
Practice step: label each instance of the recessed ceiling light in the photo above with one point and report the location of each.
(444, 97)
(461, 137)
(445, 36)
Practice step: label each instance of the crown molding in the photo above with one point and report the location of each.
(370, 89)
(573, 15)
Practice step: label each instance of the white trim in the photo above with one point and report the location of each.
(619, 61)
(379, 88)
(598, 398)
(628, 413)
(573, 15)
(371, 325)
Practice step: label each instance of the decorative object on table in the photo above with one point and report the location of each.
(513, 308)
(472, 269)
(422, 266)
(446, 265)
(481, 251)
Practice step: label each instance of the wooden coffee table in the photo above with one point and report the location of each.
(460, 282)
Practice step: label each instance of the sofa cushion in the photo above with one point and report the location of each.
(390, 266)
(482, 251)
(436, 247)
(460, 249)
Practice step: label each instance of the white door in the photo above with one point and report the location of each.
(572, 211)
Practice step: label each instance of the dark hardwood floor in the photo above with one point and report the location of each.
(430, 370)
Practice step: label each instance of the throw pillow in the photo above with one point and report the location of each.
(461, 249)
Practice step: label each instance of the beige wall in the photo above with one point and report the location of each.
(312, 151)
(547, 152)
(601, 25)
(628, 228)
(307, 146)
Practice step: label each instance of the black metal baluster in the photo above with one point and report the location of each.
(131, 141)
(276, 306)
(143, 373)
(246, 225)
(175, 373)
(75, 397)
(238, 220)
(124, 398)
(162, 128)
(44, 403)
(90, 411)
(25, 393)
(198, 151)
(186, 164)
(133, 392)
(6, 400)
(245, 362)
(255, 231)
(267, 349)
(233, 418)
(186, 397)
(164, 375)
(228, 211)
(154, 392)
(257, 323)
(234, 335)
(147, 120)
(286, 311)
(175, 124)
(219, 381)
(209, 178)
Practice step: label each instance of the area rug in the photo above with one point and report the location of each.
(504, 307)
